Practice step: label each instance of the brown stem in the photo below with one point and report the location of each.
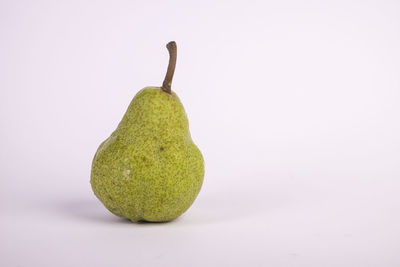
(166, 87)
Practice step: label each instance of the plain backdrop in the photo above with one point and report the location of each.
(294, 104)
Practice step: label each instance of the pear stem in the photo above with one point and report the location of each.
(166, 87)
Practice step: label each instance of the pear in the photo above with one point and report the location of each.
(149, 169)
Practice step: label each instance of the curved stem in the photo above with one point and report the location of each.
(166, 87)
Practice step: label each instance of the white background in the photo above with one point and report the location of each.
(294, 104)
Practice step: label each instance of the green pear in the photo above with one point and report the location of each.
(149, 169)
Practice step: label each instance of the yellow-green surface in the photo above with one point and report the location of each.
(149, 169)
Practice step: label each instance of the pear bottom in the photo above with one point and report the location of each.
(155, 201)
(145, 187)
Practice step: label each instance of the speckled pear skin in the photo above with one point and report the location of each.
(149, 169)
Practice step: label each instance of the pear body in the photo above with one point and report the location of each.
(149, 169)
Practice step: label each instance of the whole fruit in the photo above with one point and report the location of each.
(149, 169)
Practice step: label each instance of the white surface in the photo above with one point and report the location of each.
(294, 104)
